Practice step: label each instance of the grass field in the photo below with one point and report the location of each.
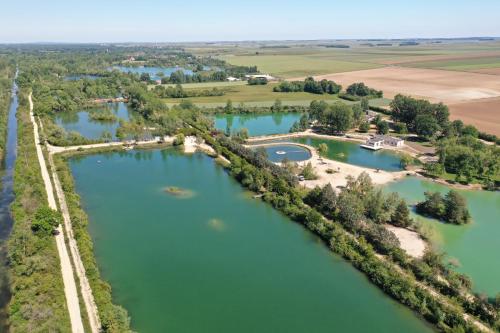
(261, 96)
(288, 66)
(246, 93)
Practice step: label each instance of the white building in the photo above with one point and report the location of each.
(378, 141)
(373, 144)
(260, 76)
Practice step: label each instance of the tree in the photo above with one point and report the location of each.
(405, 161)
(322, 148)
(243, 134)
(383, 127)
(426, 126)
(456, 211)
(308, 172)
(433, 205)
(470, 130)
(229, 106)
(317, 110)
(277, 106)
(400, 128)
(401, 216)
(328, 199)
(365, 104)
(179, 139)
(364, 127)
(45, 221)
(339, 118)
(357, 114)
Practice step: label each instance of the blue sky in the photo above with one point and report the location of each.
(215, 20)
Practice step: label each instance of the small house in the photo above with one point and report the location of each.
(373, 143)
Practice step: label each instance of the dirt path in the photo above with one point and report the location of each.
(70, 290)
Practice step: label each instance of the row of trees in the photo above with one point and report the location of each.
(451, 208)
(362, 90)
(309, 85)
(179, 92)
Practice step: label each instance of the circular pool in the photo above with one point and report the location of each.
(277, 153)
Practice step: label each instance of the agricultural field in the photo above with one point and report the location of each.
(287, 66)
(287, 61)
(485, 64)
(484, 114)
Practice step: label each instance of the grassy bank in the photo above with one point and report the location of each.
(113, 317)
(38, 303)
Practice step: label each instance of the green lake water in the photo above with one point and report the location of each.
(352, 153)
(92, 129)
(277, 153)
(476, 246)
(215, 260)
(257, 124)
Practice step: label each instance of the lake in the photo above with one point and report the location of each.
(277, 153)
(352, 153)
(153, 71)
(209, 258)
(476, 246)
(257, 124)
(91, 129)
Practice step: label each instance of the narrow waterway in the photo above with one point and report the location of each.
(187, 249)
(6, 198)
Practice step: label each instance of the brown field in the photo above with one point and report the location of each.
(472, 97)
(491, 71)
(484, 114)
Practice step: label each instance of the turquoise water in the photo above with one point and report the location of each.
(352, 153)
(216, 260)
(277, 153)
(91, 129)
(476, 247)
(153, 71)
(261, 124)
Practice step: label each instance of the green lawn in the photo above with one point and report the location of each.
(262, 96)
(246, 93)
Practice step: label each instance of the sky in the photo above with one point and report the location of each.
(224, 20)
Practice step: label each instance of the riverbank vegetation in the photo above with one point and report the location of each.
(7, 70)
(38, 303)
(452, 208)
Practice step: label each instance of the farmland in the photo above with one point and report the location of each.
(286, 66)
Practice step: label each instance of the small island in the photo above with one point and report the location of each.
(179, 192)
(452, 208)
(105, 115)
